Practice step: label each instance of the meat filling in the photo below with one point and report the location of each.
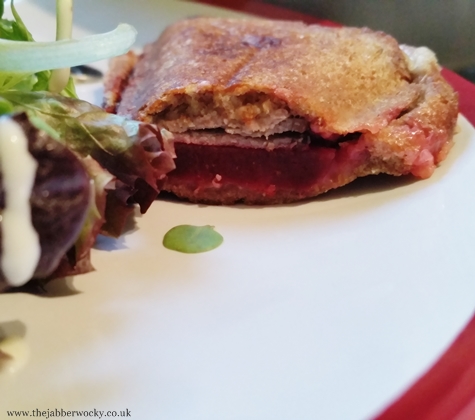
(288, 139)
(250, 114)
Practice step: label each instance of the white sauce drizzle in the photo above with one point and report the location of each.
(20, 243)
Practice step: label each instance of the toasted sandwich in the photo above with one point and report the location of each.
(267, 112)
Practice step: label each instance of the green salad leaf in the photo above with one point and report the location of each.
(192, 239)
(126, 161)
(38, 66)
(39, 56)
(6, 107)
(85, 127)
(14, 30)
(114, 141)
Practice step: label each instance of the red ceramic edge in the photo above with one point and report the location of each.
(447, 390)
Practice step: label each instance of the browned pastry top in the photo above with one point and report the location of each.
(340, 80)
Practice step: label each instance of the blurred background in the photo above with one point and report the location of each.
(445, 26)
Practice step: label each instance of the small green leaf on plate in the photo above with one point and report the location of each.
(192, 239)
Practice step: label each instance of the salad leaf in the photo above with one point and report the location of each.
(136, 154)
(15, 30)
(64, 30)
(60, 197)
(125, 162)
(39, 66)
(32, 57)
(95, 217)
(6, 107)
(87, 129)
(19, 26)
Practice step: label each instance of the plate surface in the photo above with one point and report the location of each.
(326, 309)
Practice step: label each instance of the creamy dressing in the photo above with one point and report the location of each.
(421, 60)
(20, 242)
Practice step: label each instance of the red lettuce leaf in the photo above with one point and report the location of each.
(59, 200)
(138, 155)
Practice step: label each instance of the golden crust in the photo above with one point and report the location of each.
(341, 80)
(419, 140)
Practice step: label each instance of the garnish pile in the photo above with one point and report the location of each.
(92, 167)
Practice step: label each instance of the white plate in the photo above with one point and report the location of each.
(326, 309)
